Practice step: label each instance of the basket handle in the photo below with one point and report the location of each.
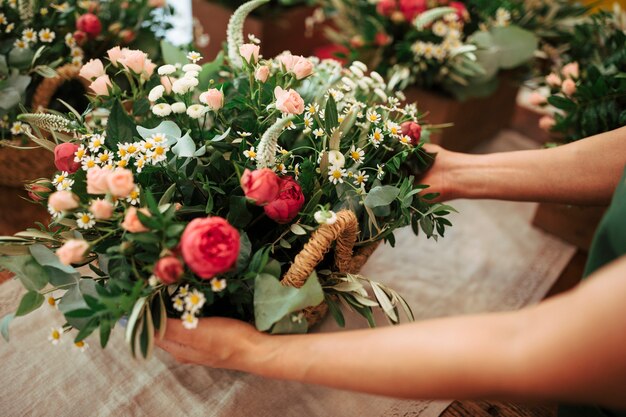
(48, 87)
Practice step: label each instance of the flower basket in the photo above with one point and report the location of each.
(475, 120)
(18, 166)
(280, 31)
(574, 224)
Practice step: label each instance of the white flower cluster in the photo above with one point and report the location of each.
(190, 302)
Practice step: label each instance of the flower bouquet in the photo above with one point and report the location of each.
(43, 44)
(247, 187)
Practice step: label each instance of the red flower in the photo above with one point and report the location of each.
(261, 186)
(210, 246)
(64, 157)
(386, 7)
(412, 130)
(382, 39)
(461, 10)
(80, 37)
(411, 8)
(90, 24)
(288, 203)
(168, 270)
(332, 51)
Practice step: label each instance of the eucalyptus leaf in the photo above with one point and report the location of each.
(4, 325)
(291, 324)
(32, 275)
(168, 128)
(381, 196)
(45, 257)
(185, 147)
(31, 301)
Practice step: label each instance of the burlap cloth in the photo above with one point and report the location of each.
(491, 260)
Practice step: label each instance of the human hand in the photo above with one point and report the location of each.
(439, 177)
(216, 342)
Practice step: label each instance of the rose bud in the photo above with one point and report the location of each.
(568, 87)
(131, 221)
(127, 35)
(120, 182)
(92, 70)
(386, 7)
(39, 190)
(101, 209)
(412, 130)
(63, 201)
(64, 157)
(250, 52)
(90, 24)
(262, 73)
(101, 85)
(73, 251)
(382, 39)
(547, 123)
(288, 203)
(168, 270)
(288, 101)
(261, 186)
(411, 8)
(210, 246)
(80, 37)
(571, 70)
(214, 99)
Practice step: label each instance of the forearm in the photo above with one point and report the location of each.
(583, 172)
(469, 357)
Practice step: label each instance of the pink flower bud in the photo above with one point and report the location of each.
(214, 99)
(73, 251)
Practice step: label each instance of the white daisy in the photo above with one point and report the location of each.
(281, 169)
(95, 142)
(69, 40)
(290, 125)
(312, 109)
(46, 35)
(336, 158)
(20, 44)
(178, 304)
(140, 163)
(318, 133)
(146, 146)
(55, 335)
(88, 162)
(158, 153)
(158, 138)
(393, 128)
(29, 35)
(308, 121)
(54, 213)
(9, 28)
(80, 153)
(81, 346)
(194, 301)
(59, 178)
(381, 171)
(85, 220)
(405, 140)
(18, 128)
(189, 321)
(357, 154)
(3, 19)
(377, 137)
(105, 157)
(360, 178)
(372, 116)
(250, 153)
(133, 197)
(194, 56)
(336, 174)
(218, 285)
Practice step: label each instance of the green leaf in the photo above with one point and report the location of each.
(291, 324)
(32, 275)
(105, 333)
(239, 215)
(45, 257)
(141, 106)
(516, 46)
(335, 311)
(185, 147)
(31, 301)
(273, 301)
(137, 312)
(245, 249)
(330, 114)
(172, 54)
(381, 196)
(73, 300)
(562, 103)
(167, 196)
(4, 325)
(120, 126)
(296, 229)
(168, 128)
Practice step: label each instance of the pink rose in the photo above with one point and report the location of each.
(131, 221)
(287, 204)
(120, 182)
(168, 270)
(115, 54)
(101, 85)
(288, 101)
(302, 68)
(386, 7)
(214, 99)
(536, 98)
(63, 201)
(92, 69)
(571, 70)
(97, 181)
(261, 186)
(137, 62)
(101, 209)
(262, 73)
(64, 157)
(73, 251)
(411, 8)
(167, 81)
(210, 246)
(90, 24)
(412, 130)
(250, 52)
(547, 123)
(568, 87)
(553, 80)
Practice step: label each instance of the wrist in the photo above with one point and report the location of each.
(468, 176)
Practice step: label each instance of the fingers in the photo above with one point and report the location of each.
(181, 353)
(432, 148)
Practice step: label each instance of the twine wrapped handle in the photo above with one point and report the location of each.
(344, 232)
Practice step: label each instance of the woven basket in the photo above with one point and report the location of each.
(18, 165)
(344, 232)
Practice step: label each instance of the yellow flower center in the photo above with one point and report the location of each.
(194, 299)
(122, 163)
(56, 335)
(148, 145)
(85, 218)
(132, 149)
(189, 318)
(79, 344)
(377, 136)
(97, 143)
(91, 163)
(80, 153)
(104, 157)
(134, 194)
(337, 174)
(356, 156)
(159, 150)
(52, 301)
(122, 152)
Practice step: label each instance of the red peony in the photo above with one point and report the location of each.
(411, 8)
(382, 39)
(261, 186)
(210, 246)
(168, 270)
(412, 130)
(90, 24)
(64, 157)
(386, 7)
(288, 203)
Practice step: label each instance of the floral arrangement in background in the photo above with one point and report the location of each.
(272, 5)
(36, 37)
(205, 185)
(586, 93)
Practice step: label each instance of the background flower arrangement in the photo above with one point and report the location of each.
(38, 37)
(209, 181)
(587, 87)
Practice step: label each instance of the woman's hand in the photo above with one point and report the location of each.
(439, 177)
(216, 342)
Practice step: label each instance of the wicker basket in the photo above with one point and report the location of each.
(344, 232)
(18, 165)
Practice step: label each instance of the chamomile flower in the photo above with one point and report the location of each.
(380, 171)
(29, 35)
(131, 149)
(312, 108)
(308, 121)
(54, 213)
(178, 304)
(377, 137)
(244, 135)
(194, 56)
(18, 128)
(9, 28)
(3, 19)
(318, 133)
(250, 153)
(405, 140)
(46, 35)
(76, 52)
(218, 285)
(140, 163)
(357, 154)
(336, 174)
(439, 28)
(65, 185)
(189, 321)
(336, 94)
(69, 40)
(105, 157)
(183, 291)
(281, 168)
(146, 146)
(122, 163)
(81, 346)
(85, 220)
(158, 153)
(52, 302)
(360, 178)
(372, 116)
(133, 197)
(336, 158)
(20, 44)
(88, 162)
(55, 336)
(59, 178)
(393, 128)
(194, 301)
(290, 125)
(95, 142)
(80, 153)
